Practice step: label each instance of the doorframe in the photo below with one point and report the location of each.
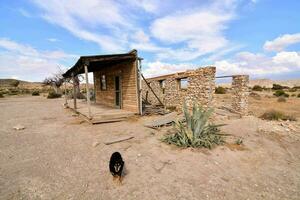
(120, 91)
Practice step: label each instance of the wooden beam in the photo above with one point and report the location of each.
(224, 76)
(87, 90)
(151, 89)
(74, 92)
(118, 140)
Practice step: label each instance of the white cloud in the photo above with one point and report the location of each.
(259, 64)
(158, 68)
(53, 39)
(201, 30)
(28, 63)
(82, 18)
(281, 42)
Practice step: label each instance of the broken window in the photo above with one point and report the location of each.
(162, 85)
(103, 82)
(183, 83)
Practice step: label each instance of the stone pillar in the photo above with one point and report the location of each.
(240, 93)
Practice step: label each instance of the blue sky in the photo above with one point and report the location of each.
(256, 37)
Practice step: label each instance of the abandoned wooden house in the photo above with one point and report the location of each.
(121, 89)
(116, 86)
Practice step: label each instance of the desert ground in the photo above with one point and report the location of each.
(60, 156)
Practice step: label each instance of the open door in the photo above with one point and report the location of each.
(118, 92)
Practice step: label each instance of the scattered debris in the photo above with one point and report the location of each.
(19, 127)
(152, 109)
(119, 140)
(163, 120)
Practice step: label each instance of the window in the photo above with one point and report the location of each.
(183, 83)
(162, 85)
(103, 82)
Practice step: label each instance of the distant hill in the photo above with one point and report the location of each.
(268, 83)
(25, 84)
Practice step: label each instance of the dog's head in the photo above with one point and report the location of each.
(117, 166)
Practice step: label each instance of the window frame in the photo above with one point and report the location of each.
(180, 83)
(103, 87)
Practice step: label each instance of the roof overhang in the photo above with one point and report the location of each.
(97, 62)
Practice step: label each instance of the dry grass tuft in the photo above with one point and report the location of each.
(276, 115)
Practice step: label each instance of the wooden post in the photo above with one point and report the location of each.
(74, 92)
(87, 90)
(152, 90)
(66, 100)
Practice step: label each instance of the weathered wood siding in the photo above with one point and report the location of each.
(128, 73)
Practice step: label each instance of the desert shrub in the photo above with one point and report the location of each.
(293, 95)
(277, 87)
(281, 99)
(196, 131)
(276, 115)
(293, 89)
(15, 83)
(255, 95)
(280, 93)
(298, 95)
(53, 95)
(239, 141)
(1, 95)
(35, 93)
(13, 91)
(220, 90)
(257, 88)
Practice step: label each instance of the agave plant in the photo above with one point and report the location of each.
(196, 131)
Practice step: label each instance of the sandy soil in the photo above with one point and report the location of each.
(266, 101)
(54, 158)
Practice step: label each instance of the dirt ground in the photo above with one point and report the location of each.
(56, 157)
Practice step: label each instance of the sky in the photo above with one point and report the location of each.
(256, 37)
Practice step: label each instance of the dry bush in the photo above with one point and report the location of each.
(281, 99)
(257, 88)
(255, 95)
(220, 90)
(276, 115)
(1, 95)
(35, 93)
(53, 95)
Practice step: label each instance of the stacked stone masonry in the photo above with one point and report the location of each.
(200, 88)
(240, 93)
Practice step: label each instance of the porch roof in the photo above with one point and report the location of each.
(96, 62)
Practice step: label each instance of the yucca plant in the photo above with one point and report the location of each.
(195, 130)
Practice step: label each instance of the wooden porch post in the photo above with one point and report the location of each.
(87, 89)
(66, 100)
(74, 92)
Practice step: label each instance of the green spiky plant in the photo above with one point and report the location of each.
(196, 131)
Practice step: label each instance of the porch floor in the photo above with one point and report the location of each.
(100, 113)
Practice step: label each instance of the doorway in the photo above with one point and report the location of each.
(118, 92)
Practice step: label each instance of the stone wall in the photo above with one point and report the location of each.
(200, 88)
(240, 93)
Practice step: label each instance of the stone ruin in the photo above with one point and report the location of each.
(194, 86)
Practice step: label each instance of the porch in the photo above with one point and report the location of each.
(100, 113)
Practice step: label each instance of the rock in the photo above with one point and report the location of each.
(96, 144)
(19, 127)
(139, 155)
